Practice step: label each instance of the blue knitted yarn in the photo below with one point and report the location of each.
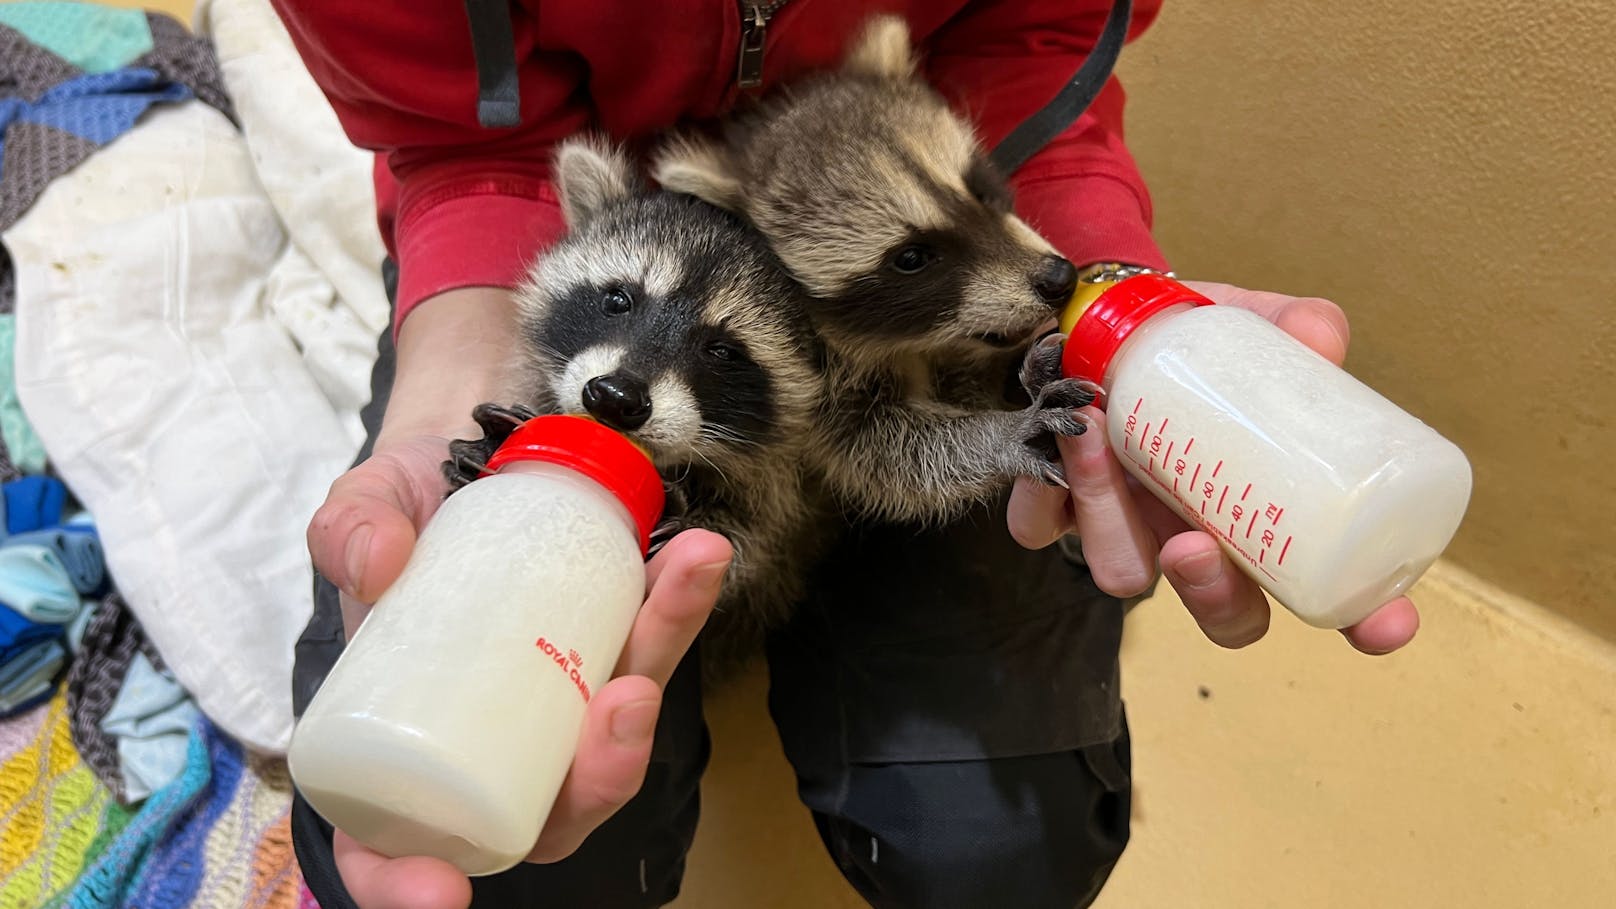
(171, 874)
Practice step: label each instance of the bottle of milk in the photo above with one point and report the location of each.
(1329, 496)
(449, 722)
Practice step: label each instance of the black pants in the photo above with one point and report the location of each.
(949, 703)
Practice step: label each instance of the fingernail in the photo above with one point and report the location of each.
(633, 723)
(358, 552)
(1247, 629)
(1200, 571)
(709, 576)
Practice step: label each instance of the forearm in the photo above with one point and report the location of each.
(454, 352)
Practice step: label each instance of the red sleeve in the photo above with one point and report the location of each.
(472, 204)
(1001, 60)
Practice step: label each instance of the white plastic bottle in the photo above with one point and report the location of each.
(1329, 496)
(448, 724)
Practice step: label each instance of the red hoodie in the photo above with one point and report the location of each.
(461, 205)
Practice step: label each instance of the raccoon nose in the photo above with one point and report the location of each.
(619, 401)
(1055, 281)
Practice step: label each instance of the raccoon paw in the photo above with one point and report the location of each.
(1039, 459)
(1042, 364)
(1052, 416)
(675, 508)
(1063, 396)
(469, 457)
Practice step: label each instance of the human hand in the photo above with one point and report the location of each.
(1127, 532)
(364, 536)
(361, 538)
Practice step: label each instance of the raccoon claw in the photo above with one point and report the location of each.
(497, 421)
(468, 458)
(1066, 394)
(1041, 366)
(1050, 474)
(1040, 460)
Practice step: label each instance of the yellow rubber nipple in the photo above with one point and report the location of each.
(1082, 298)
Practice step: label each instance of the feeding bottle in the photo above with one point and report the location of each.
(449, 722)
(1329, 496)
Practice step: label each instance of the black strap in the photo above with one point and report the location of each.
(499, 101)
(1063, 110)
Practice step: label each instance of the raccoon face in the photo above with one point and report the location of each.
(666, 319)
(880, 201)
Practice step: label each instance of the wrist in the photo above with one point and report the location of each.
(455, 351)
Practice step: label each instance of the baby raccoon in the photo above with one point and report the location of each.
(672, 322)
(878, 198)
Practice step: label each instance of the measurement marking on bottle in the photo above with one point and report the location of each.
(1228, 538)
(1242, 510)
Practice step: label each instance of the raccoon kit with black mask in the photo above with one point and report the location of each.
(925, 285)
(672, 322)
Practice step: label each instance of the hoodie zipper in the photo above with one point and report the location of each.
(754, 31)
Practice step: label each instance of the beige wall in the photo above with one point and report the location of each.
(1447, 173)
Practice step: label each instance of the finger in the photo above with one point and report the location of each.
(684, 578)
(1387, 628)
(1119, 549)
(363, 534)
(1316, 322)
(1038, 515)
(378, 882)
(609, 768)
(1163, 522)
(1229, 607)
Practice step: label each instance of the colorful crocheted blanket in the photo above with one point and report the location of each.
(218, 836)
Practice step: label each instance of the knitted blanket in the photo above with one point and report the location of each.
(218, 836)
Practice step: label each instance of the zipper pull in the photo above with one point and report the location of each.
(754, 29)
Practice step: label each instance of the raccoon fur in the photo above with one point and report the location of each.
(925, 286)
(672, 322)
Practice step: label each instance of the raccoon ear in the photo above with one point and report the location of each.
(701, 168)
(590, 174)
(883, 50)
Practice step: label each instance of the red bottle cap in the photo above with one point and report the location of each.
(1113, 315)
(599, 453)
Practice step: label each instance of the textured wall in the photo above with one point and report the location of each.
(1447, 173)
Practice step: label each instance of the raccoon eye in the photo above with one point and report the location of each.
(616, 302)
(721, 351)
(912, 258)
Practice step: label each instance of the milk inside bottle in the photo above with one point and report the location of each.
(449, 722)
